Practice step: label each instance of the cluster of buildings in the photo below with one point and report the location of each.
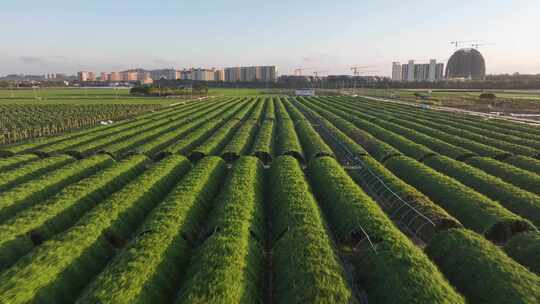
(465, 64)
(235, 74)
(432, 71)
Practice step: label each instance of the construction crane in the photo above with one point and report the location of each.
(316, 80)
(457, 43)
(298, 71)
(356, 69)
(476, 45)
(316, 73)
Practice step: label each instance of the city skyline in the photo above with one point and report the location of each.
(65, 37)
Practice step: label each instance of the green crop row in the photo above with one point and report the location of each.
(525, 248)
(28, 121)
(439, 218)
(518, 177)
(228, 266)
(263, 145)
(34, 191)
(95, 145)
(435, 144)
(269, 112)
(312, 143)
(57, 270)
(153, 147)
(306, 268)
(13, 177)
(525, 163)
(511, 197)
(392, 267)
(476, 127)
(497, 125)
(481, 271)
(244, 136)
(480, 149)
(472, 209)
(221, 136)
(521, 202)
(379, 150)
(38, 223)
(240, 142)
(148, 268)
(75, 136)
(460, 132)
(473, 124)
(510, 174)
(12, 162)
(121, 148)
(204, 132)
(287, 139)
(454, 140)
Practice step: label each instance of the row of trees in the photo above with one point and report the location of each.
(164, 88)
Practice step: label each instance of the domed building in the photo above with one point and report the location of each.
(467, 64)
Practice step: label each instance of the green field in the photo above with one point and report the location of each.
(106, 95)
(508, 101)
(241, 92)
(272, 199)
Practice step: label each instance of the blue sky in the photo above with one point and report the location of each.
(103, 35)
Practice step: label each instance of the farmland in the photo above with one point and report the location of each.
(269, 199)
(506, 102)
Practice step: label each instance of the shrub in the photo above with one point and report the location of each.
(488, 95)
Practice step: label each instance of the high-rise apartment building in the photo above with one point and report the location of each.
(105, 76)
(251, 74)
(115, 76)
(412, 71)
(219, 75)
(396, 71)
(268, 74)
(169, 74)
(86, 76)
(232, 74)
(203, 75)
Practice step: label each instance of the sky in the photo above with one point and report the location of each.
(40, 37)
